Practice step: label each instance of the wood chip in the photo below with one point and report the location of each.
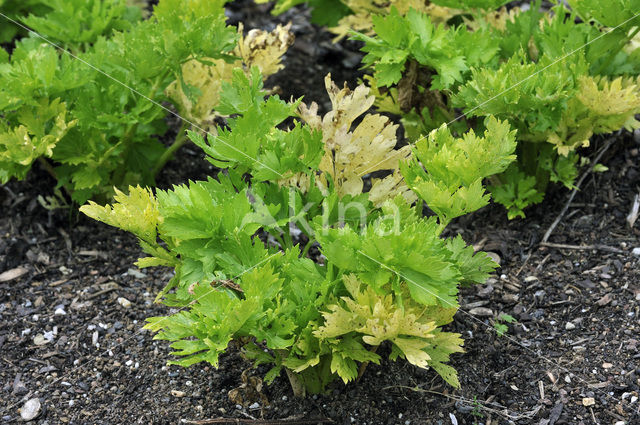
(606, 299)
(635, 210)
(13, 274)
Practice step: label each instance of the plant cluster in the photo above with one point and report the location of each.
(293, 250)
(558, 77)
(386, 273)
(94, 118)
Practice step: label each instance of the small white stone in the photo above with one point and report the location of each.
(136, 273)
(569, 326)
(94, 338)
(71, 403)
(25, 332)
(177, 393)
(129, 362)
(136, 365)
(636, 251)
(255, 406)
(30, 409)
(124, 302)
(59, 311)
(634, 399)
(40, 340)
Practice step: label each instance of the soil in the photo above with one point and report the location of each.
(71, 312)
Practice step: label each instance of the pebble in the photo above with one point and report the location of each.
(495, 257)
(40, 340)
(136, 273)
(124, 302)
(588, 401)
(255, 406)
(19, 387)
(177, 393)
(30, 409)
(569, 326)
(636, 251)
(486, 291)
(59, 312)
(481, 311)
(94, 338)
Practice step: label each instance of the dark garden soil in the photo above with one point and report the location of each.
(72, 305)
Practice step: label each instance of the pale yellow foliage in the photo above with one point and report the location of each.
(600, 106)
(360, 20)
(494, 18)
(206, 78)
(258, 48)
(264, 49)
(136, 212)
(378, 318)
(350, 154)
(385, 101)
(300, 180)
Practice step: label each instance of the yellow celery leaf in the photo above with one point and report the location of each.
(360, 20)
(600, 106)
(136, 212)
(300, 180)
(264, 49)
(379, 318)
(208, 80)
(388, 188)
(350, 154)
(258, 48)
(494, 18)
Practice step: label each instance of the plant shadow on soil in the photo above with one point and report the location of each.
(576, 335)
